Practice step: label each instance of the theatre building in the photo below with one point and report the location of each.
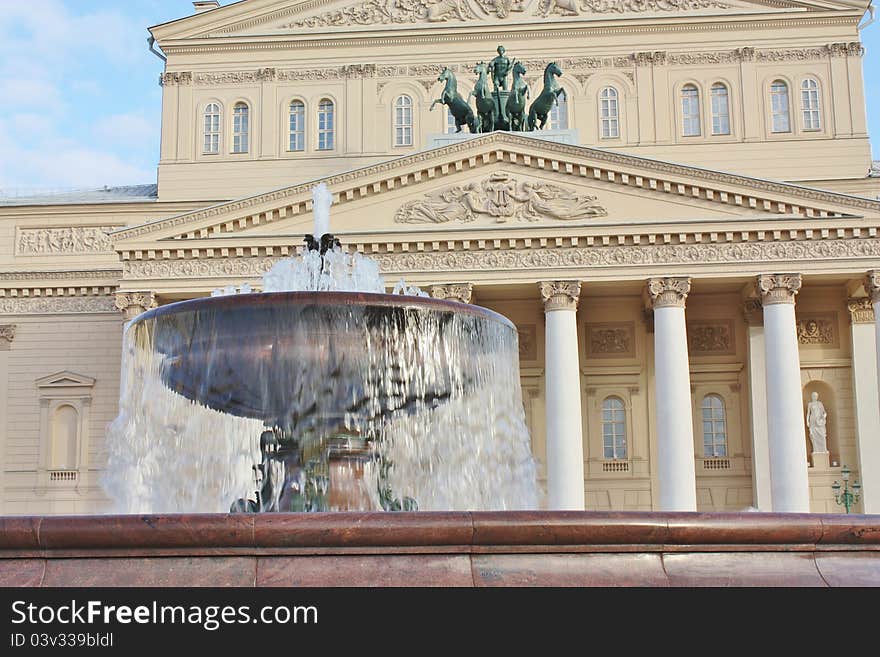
(689, 248)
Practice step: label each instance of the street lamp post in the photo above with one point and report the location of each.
(847, 497)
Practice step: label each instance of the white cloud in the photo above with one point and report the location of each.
(132, 127)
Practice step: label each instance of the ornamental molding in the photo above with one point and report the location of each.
(611, 339)
(528, 341)
(669, 292)
(490, 258)
(817, 329)
(7, 335)
(778, 288)
(753, 311)
(872, 284)
(56, 305)
(503, 198)
(711, 337)
(461, 292)
(560, 295)
(508, 148)
(85, 274)
(861, 310)
(65, 240)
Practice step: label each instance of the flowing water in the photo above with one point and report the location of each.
(320, 393)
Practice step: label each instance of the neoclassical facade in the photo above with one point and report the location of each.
(690, 252)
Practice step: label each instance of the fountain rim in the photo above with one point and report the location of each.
(327, 298)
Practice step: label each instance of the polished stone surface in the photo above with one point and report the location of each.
(528, 548)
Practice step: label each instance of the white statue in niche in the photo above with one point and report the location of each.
(816, 417)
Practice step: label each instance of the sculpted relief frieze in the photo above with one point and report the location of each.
(711, 337)
(537, 258)
(53, 305)
(70, 240)
(501, 197)
(817, 329)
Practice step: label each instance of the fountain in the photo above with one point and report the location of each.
(320, 393)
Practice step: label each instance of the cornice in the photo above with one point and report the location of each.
(57, 300)
(509, 148)
(489, 32)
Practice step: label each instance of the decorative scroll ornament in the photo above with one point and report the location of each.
(861, 310)
(560, 295)
(872, 284)
(461, 292)
(778, 288)
(133, 304)
(815, 330)
(638, 6)
(503, 197)
(668, 292)
(7, 335)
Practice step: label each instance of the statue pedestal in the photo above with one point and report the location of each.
(559, 136)
(821, 460)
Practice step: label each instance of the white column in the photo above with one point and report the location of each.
(789, 486)
(675, 433)
(758, 405)
(7, 335)
(565, 442)
(865, 372)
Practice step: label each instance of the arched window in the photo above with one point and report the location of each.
(720, 110)
(714, 427)
(609, 114)
(780, 120)
(403, 121)
(557, 118)
(240, 128)
(212, 129)
(690, 111)
(810, 104)
(450, 122)
(65, 423)
(613, 428)
(326, 122)
(297, 126)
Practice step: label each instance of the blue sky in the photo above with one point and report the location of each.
(87, 103)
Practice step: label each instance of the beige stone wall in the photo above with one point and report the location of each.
(85, 344)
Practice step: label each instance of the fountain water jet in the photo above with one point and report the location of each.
(320, 393)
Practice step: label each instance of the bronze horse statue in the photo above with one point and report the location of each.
(542, 105)
(516, 101)
(487, 107)
(458, 107)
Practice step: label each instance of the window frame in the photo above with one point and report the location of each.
(815, 91)
(303, 131)
(400, 125)
(714, 421)
(321, 133)
(215, 132)
(618, 418)
(693, 115)
(239, 135)
(613, 118)
(556, 118)
(773, 94)
(713, 106)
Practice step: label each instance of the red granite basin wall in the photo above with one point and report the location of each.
(442, 549)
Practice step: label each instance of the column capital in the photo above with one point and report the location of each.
(133, 304)
(461, 292)
(560, 295)
(778, 288)
(861, 310)
(872, 284)
(668, 292)
(753, 311)
(7, 335)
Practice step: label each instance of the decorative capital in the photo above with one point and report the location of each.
(7, 335)
(778, 288)
(560, 295)
(461, 292)
(133, 304)
(753, 311)
(861, 310)
(668, 292)
(872, 284)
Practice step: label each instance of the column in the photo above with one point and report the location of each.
(7, 335)
(133, 304)
(565, 441)
(865, 330)
(785, 420)
(672, 381)
(461, 292)
(752, 312)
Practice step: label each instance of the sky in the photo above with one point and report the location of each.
(79, 92)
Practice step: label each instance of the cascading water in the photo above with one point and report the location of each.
(320, 393)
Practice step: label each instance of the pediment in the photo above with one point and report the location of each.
(494, 184)
(256, 17)
(65, 379)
